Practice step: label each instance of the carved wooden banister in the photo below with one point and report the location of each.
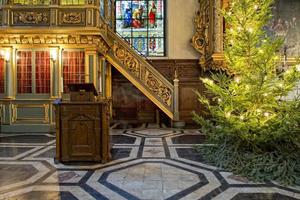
(139, 72)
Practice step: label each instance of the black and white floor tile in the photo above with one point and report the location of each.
(147, 163)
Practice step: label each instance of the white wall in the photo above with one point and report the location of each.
(180, 28)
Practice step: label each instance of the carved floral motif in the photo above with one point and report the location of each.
(200, 39)
(128, 60)
(24, 17)
(208, 38)
(157, 87)
(151, 81)
(55, 39)
(72, 18)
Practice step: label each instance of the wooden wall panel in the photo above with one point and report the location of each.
(130, 104)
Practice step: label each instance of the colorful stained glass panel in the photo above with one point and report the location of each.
(142, 21)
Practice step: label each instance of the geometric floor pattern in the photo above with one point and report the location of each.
(147, 164)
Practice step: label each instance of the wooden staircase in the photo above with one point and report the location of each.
(140, 73)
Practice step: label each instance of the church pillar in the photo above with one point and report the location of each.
(108, 80)
(9, 69)
(54, 72)
(91, 63)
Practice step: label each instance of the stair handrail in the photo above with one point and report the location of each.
(138, 56)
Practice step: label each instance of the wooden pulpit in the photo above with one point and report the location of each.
(82, 126)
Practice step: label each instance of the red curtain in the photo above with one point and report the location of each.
(2, 65)
(24, 72)
(42, 71)
(73, 68)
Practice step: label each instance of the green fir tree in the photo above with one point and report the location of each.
(255, 129)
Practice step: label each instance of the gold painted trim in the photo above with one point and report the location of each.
(16, 119)
(140, 87)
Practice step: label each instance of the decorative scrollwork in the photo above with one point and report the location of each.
(200, 40)
(143, 74)
(72, 18)
(157, 87)
(33, 18)
(128, 60)
(208, 38)
(56, 40)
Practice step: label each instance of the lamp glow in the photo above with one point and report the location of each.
(53, 54)
(6, 56)
(227, 115)
(237, 79)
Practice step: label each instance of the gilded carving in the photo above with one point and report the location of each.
(200, 39)
(72, 18)
(128, 60)
(208, 39)
(157, 87)
(30, 18)
(151, 81)
(55, 39)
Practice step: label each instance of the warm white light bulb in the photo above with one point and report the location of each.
(228, 114)
(237, 79)
(258, 110)
(53, 54)
(7, 56)
(208, 81)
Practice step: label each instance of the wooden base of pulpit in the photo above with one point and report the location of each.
(82, 131)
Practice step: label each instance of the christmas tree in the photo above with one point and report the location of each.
(255, 129)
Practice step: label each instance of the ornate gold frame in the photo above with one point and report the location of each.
(208, 38)
(16, 119)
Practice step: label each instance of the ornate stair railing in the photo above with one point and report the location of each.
(142, 74)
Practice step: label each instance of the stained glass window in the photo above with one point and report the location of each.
(141, 23)
(72, 2)
(33, 72)
(102, 12)
(73, 68)
(24, 71)
(42, 72)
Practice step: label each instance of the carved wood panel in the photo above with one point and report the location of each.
(31, 17)
(140, 109)
(72, 17)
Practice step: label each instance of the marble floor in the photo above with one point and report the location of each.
(148, 163)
